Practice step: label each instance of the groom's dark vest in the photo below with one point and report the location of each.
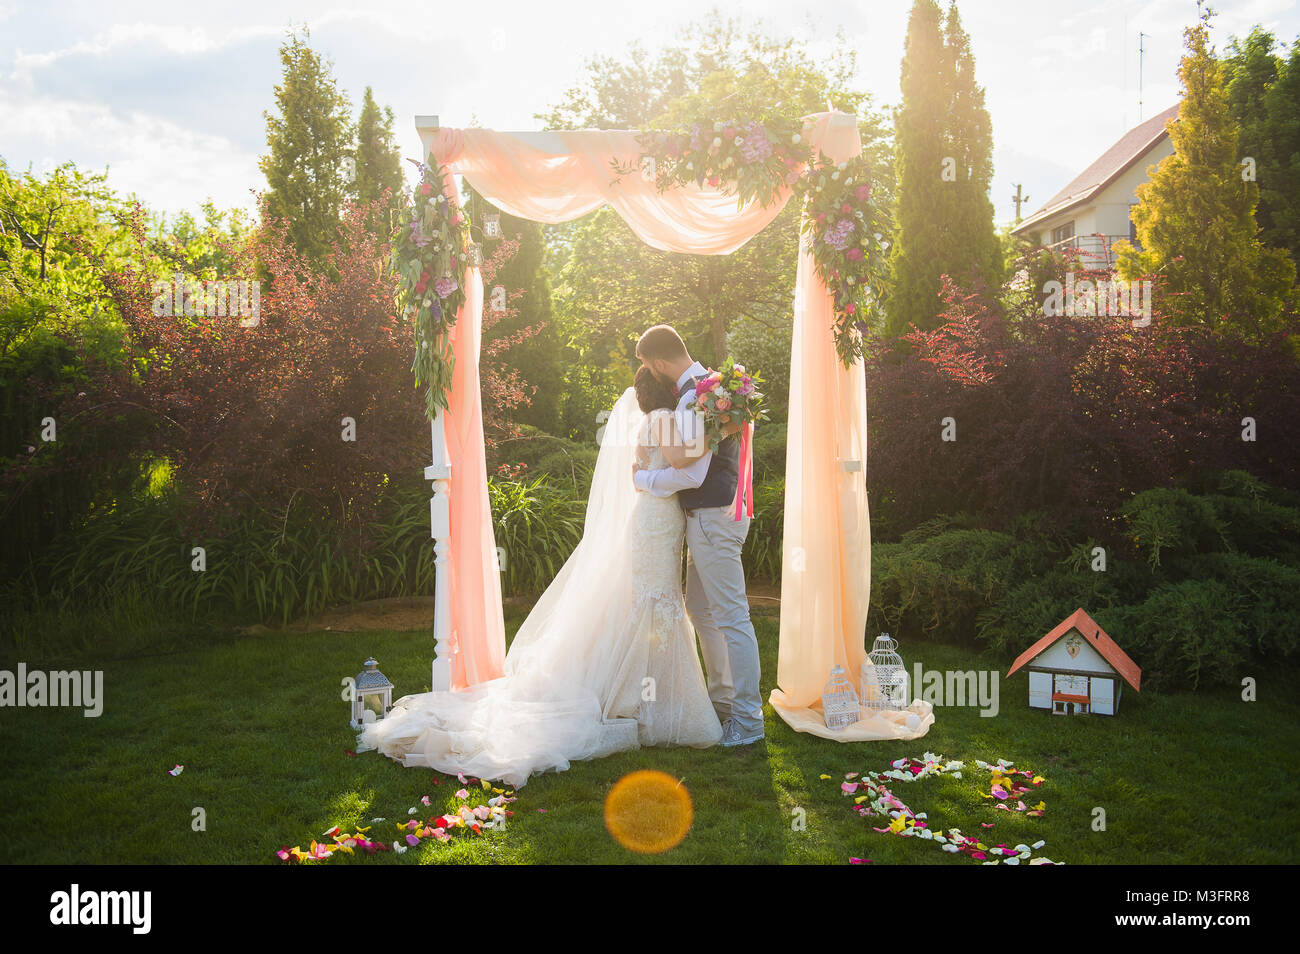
(719, 487)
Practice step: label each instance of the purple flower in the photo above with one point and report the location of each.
(435, 311)
(837, 237)
(445, 286)
(756, 146)
(417, 234)
(696, 141)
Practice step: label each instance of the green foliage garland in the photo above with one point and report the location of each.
(430, 255)
(755, 161)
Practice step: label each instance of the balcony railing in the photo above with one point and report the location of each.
(1095, 250)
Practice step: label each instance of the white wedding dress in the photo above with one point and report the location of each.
(605, 662)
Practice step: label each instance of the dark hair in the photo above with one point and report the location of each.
(661, 342)
(652, 392)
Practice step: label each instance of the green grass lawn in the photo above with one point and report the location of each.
(261, 728)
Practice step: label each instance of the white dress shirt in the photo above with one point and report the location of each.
(669, 480)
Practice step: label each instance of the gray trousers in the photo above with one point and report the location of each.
(719, 609)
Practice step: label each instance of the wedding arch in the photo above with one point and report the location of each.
(557, 176)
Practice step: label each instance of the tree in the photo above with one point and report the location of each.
(608, 285)
(1196, 215)
(1069, 415)
(541, 365)
(1263, 93)
(974, 251)
(920, 139)
(377, 162)
(308, 142)
(255, 414)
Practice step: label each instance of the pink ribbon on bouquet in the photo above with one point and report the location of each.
(745, 483)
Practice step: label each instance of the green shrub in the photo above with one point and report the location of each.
(1182, 634)
(762, 553)
(769, 453)
(937, 580)
(537, 524)
(1173, 523)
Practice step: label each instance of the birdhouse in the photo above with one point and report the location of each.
(882, 676)
(839, 700)
(372, 695)
(1077, 669)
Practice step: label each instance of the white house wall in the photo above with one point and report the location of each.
(1102, 696)
(1056, 657)
(1040, 689)
(1111, 205)
(1107, 213)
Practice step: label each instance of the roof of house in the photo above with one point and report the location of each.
(1132, 146)
(1070, 697)
(1095, 636)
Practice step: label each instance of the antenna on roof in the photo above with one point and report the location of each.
(1140, 52)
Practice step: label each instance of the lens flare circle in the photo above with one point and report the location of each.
(648, 812)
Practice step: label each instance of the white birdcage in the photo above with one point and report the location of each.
(883, 678)
(839, 701)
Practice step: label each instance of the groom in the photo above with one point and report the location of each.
(715, 580)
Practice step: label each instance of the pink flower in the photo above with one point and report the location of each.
(714, 180)
(729, 132)
(863, 192)
(850, 309)
(444, 287)
(425, 188)
(854, 254)
(723, 404)
(706, 385)
(845, 208)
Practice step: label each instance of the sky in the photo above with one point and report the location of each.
(169, 98)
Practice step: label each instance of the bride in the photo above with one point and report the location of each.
(606, 661)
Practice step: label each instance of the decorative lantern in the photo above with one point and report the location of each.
(476, 255)
(372, 696)
(492, 225)
(839, 701)
(883, 678)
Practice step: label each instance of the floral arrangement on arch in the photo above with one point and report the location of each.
(430, 251)
(756, 160)
(846, 232)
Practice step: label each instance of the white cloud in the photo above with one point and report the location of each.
(168, 165)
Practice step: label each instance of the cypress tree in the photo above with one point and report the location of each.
(974, 249)
(1196, 215)
(308, 141)
(922, 197)
(377, 161)
(944, 164)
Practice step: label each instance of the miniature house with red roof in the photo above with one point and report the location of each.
(1077, 669)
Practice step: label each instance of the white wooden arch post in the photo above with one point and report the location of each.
(439, 472)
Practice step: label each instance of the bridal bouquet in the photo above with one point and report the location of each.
(729, 401)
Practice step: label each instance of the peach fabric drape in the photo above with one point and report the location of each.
(478, 631)
(826, 553)
(558, 176)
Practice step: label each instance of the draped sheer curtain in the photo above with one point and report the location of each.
(554, 177)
